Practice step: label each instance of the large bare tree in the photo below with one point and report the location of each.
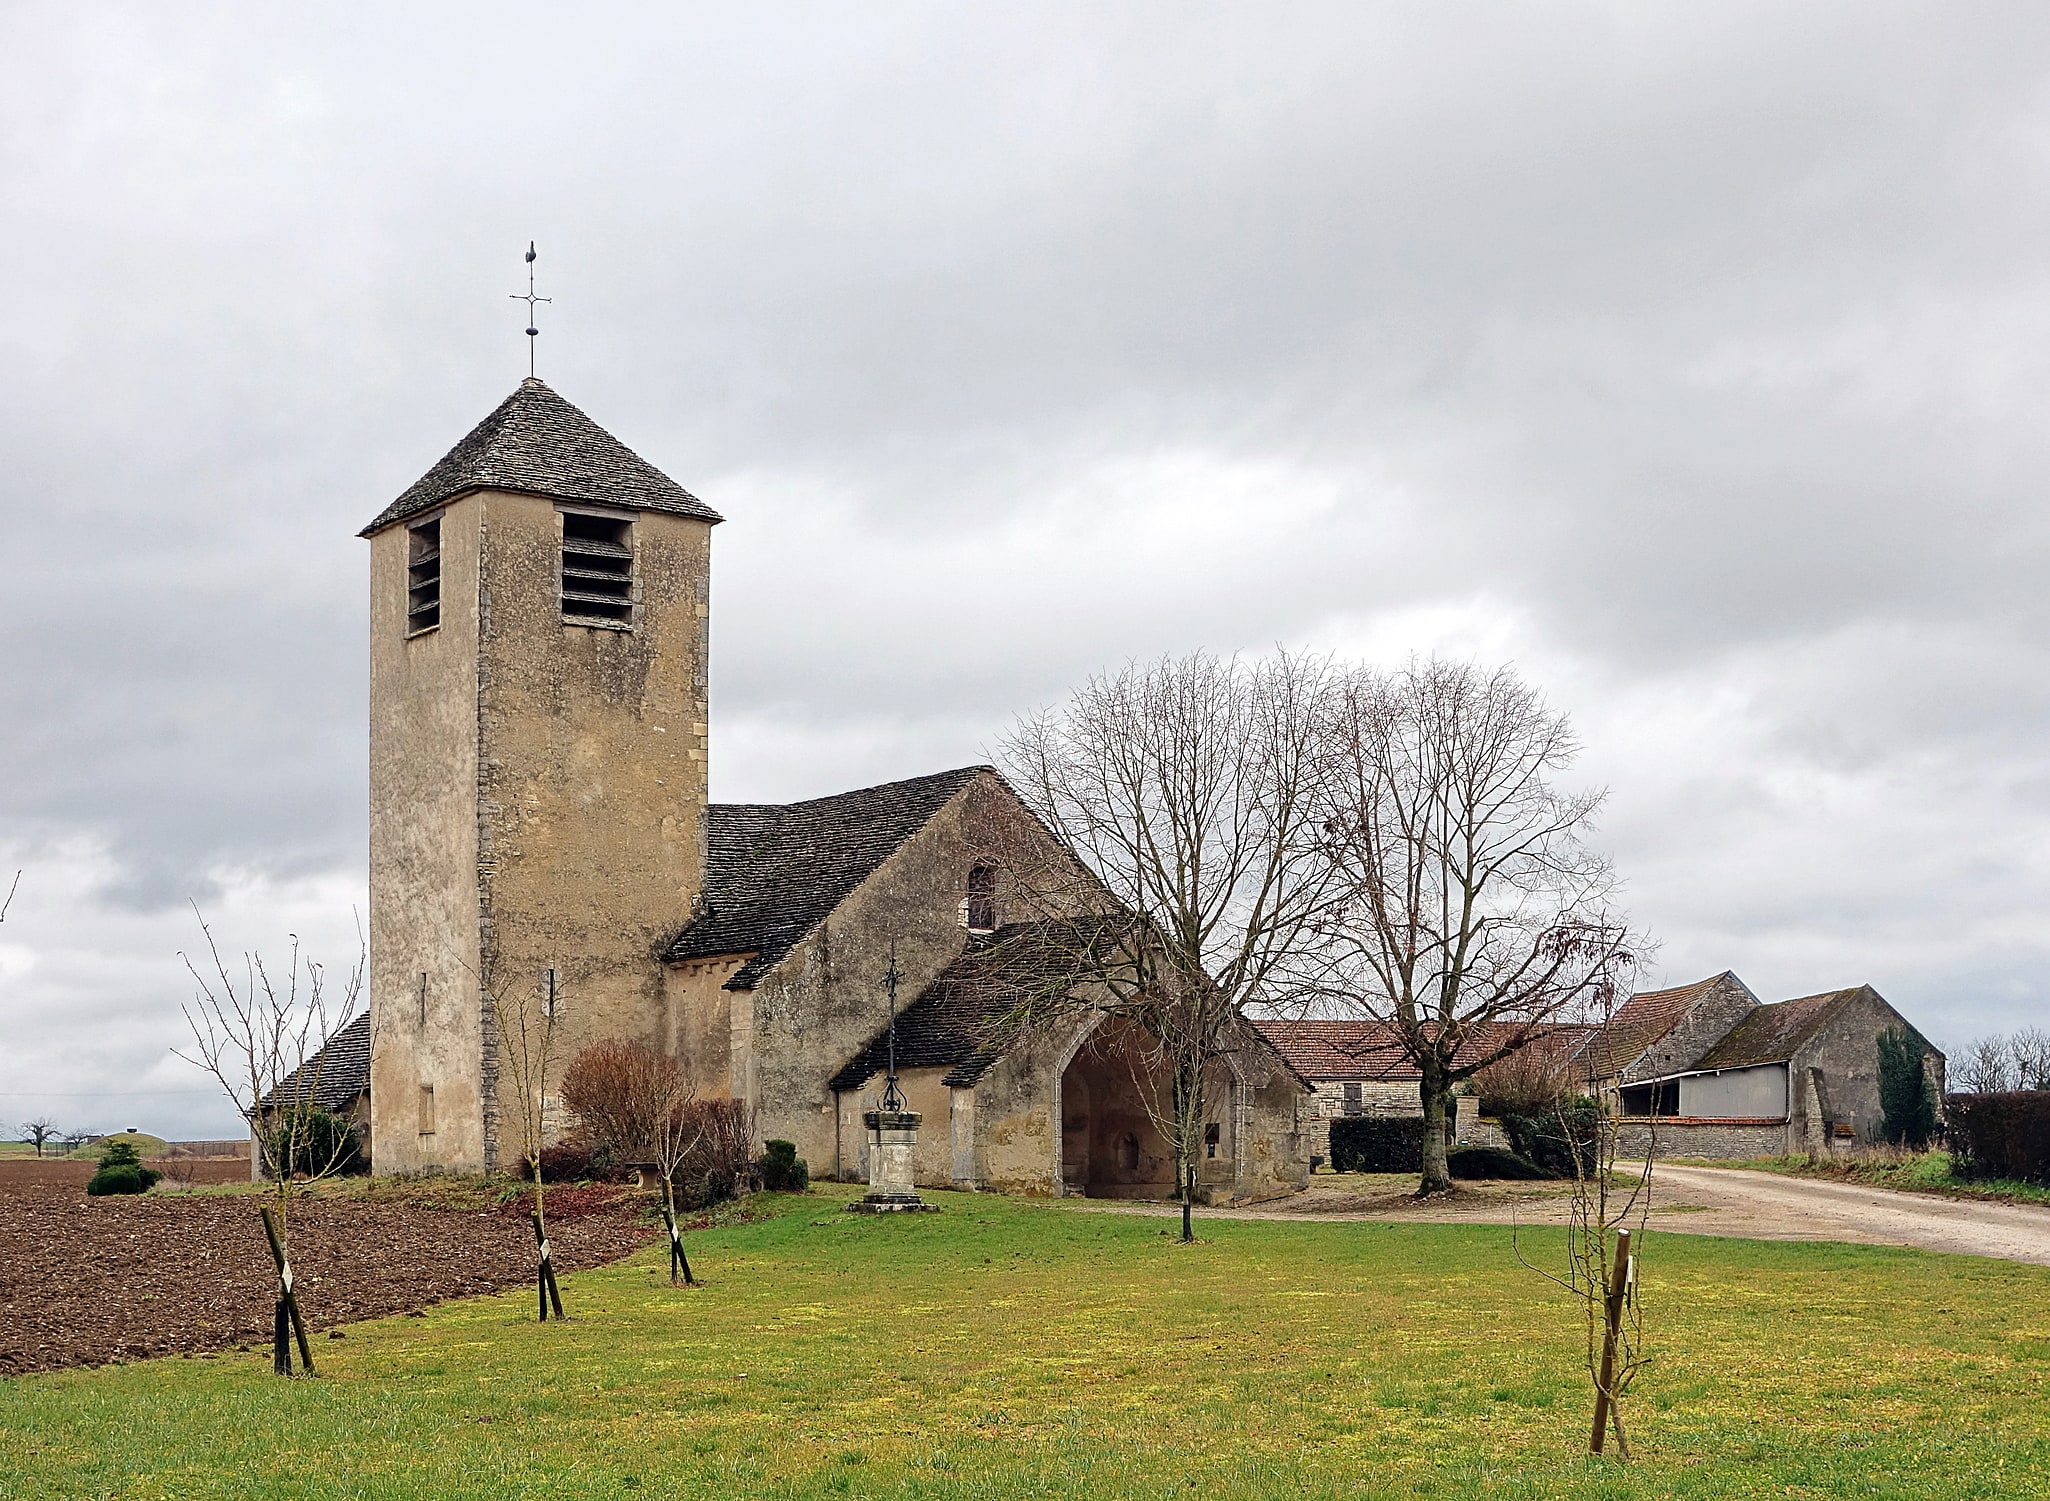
(1184, 786)
(1470, 916)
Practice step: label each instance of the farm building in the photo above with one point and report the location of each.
(1711, 1072)
(540, 821)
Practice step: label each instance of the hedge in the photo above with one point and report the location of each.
(1374, 1144)
(2000, 1135)
(1543, 1139)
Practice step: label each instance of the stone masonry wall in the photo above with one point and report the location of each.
(1724, 1140)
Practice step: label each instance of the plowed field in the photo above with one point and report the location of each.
(87, 1281)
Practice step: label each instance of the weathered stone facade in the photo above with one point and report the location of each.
(1729, 1141)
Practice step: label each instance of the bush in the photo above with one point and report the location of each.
(1492, 1162)
(1531, 1081)
(621, 1093)
(2001, 1135)
(1550, 1140)
(315, 1143)
(720, 1164)
(782, 1170)
(1907, 1100)
(121, 1172)
(573, 1161)
(1373, 1144)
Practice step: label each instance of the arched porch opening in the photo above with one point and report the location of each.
(1112, 1093)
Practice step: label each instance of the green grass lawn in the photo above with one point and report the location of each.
(1006, 1349)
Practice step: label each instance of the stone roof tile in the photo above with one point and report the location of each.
(773, 872)
(334, 1076)
(1773, 1034)
(539, 444)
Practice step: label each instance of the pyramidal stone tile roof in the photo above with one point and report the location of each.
(773, 872)
(540, 444)
(332, 1077)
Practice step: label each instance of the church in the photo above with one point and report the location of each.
(540, 817)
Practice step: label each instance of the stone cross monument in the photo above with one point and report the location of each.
(892, 1135)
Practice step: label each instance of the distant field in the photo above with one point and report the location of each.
(1008, 1350)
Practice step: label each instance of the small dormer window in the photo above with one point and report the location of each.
(597, 570)
(423, 576)
(979, 912)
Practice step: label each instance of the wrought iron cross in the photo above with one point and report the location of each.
(893, 1098)
(530, 300)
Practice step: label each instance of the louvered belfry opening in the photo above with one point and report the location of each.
(423, 576)
(597, 569)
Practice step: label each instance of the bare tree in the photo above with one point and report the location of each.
(264, 1040)
(528, 1021)
(1470, 919)
(39, 1130)
(2029, 1051)
(635, 1104)
(1184, 787)
(12, 887)
(1984, 1066)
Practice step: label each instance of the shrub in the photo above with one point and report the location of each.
(1549, 1140)
(121, 1172)
(782, 1170)
(1492, 1162)
(1533, 1080)
(1907, 1100)
(2001, 1135)
(620, 1093)
(1373, 1144)
(316, 1143)
(720, 1164)
(572, 1161)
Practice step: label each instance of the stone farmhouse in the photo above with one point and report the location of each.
(1710, 1072)
(540, 822)
(1700, 1070)
(1358, 1068)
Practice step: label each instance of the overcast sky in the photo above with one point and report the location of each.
(1693, 358)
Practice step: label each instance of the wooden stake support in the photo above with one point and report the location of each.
(1619, 1294)
(287, 1317)
(545, 1281)
(678, 1262)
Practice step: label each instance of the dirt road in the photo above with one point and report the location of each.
(1700, 1201)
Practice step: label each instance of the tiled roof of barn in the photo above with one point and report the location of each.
(540, 444)
(1773, 1034)
(773, 872)
(1640, 1022)
(334, 1076)
(1369, 1050)
(962, 1020)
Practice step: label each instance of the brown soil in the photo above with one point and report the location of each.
(87, 1281)
(178, 1171)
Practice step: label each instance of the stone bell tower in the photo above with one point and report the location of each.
(537, 759)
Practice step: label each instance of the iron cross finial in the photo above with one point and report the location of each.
(530, 300)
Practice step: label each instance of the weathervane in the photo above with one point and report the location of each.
(530, 299)
(893, 1098)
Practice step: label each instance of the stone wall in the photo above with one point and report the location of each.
(1846, 1052)
(1707, 1022)
(1727, 1140)
(537, 802)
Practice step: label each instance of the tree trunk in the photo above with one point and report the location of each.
(1188, 1122)
(1436, 1095)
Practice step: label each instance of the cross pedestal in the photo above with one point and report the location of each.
(892, 1139)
